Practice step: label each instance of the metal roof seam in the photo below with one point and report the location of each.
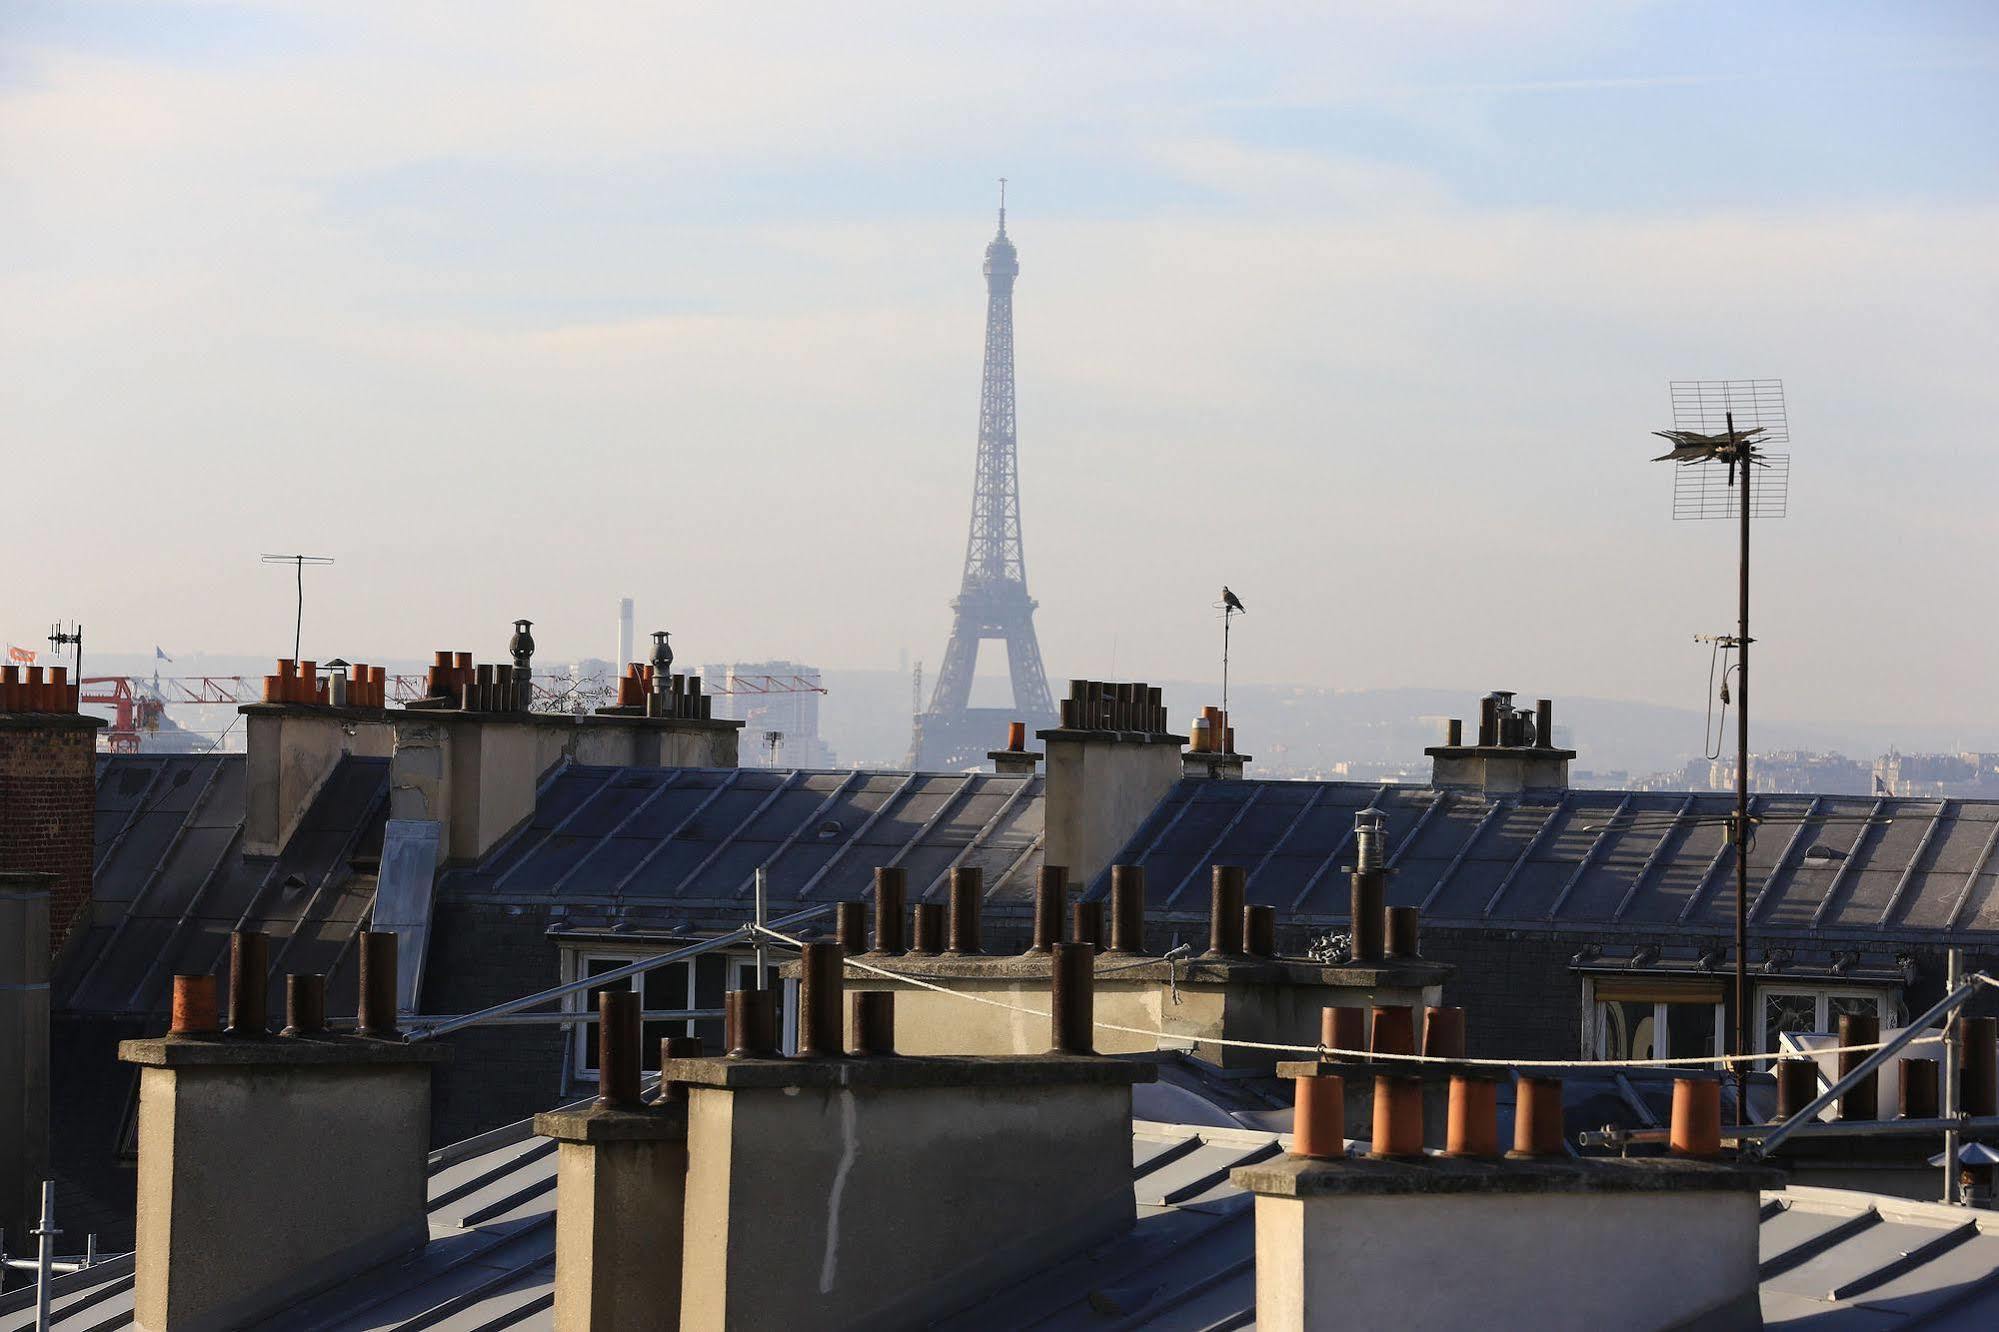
(519, 834)
(617, 829)
(1243, 806)
(1915, 860)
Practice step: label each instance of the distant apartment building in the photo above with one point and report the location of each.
(1938, 775)
(1786, 772)
(772, 699)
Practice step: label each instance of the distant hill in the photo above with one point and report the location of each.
(1303, 729)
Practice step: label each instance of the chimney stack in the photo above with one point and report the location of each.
(270, 1167)
(470, 756)
(620, 1186)
(1515, 750)
(48, 772)
(1109, 764)
(295, 738)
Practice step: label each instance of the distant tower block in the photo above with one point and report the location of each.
(625, 657)
(992, 602)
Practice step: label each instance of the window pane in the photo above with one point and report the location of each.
(1787, 1012)
(710, 972)
(1627, 1030)
(586, 1057)
(1689, 1030)
(1858, 1005)
(666, 989)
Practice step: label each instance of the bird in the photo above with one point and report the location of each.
(1690, 447)
(1230, 601)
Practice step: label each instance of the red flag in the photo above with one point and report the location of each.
(24, 656)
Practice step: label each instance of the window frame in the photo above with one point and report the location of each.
(580, 1052)
(1596, 1019)
(1887, 1006)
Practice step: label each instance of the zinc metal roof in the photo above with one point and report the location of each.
(1562, 858)
(171, 880)
(619, 837)
(1829, 1257)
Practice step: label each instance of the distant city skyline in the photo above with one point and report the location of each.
(1365, 312)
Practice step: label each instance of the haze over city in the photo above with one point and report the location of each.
(1366, 313)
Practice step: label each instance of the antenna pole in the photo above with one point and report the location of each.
(1227, 614)
(1742, 1027)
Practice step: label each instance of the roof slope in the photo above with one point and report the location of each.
(171, 879)
(1555, 859)
(1829, 1257)
(634, 838)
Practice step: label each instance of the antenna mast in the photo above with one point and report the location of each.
(1721, 426)
(298, 563)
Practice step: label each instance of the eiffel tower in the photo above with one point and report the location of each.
(992, 601)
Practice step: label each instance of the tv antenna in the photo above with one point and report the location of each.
(60, 638)
(772, 739)
(1722, 430)
(298, 563)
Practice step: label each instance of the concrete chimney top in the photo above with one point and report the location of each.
(1515, 750)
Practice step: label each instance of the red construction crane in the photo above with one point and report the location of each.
(137, 704)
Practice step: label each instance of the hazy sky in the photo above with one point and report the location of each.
(1363, 309)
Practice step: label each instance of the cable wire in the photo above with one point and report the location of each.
(1326, 1051)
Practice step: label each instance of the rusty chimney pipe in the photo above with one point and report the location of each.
(749, 1018)
(1454, 733)
(1398, 1117)
(194, 1006)
(1488, 721)
(967, 884)
(874, 1023)
(1400, 925)
(670, 1049)
(1319, 1118)
(1072, 999)
(1537, 1117)
(1444, 1032)
(1472, 1123)
(618, 1049)
(305, 1005)
(821, 989)
(1863, 1100)
(1919, 1089)
(1225, 911)
(1797, 1085)
(1016, 736)
(1086, 921)
(1368, 885)
(927, 928)
(1127, 908)
(1343, 1028)
(850, 927)
(1051, 891)
(1978, 1076)
(1259, 931)
(249, 983)
(1544, 723)
(1696, 1127)
(378, 985)
(890, 884)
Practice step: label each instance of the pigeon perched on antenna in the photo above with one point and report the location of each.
(1690, 447)
(1230, 601)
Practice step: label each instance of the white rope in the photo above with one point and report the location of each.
(1332, 1051)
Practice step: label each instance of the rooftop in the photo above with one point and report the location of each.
(1829, 1257)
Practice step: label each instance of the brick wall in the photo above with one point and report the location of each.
(48, 796)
